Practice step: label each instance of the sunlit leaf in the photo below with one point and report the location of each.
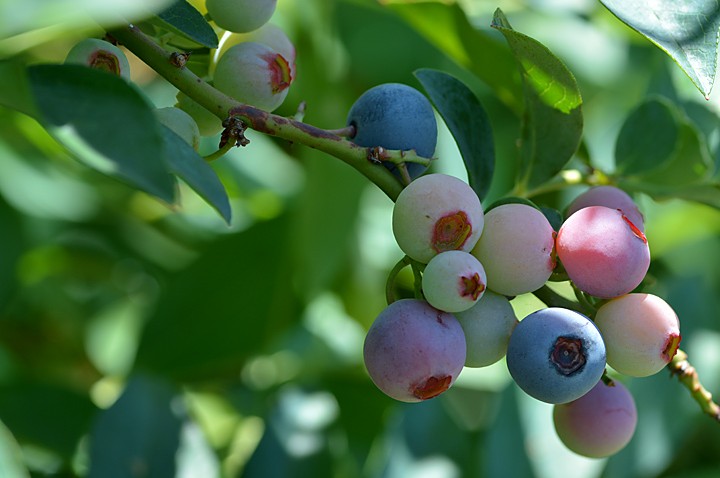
(687, 31)
(447, 27)
(552, 122)
(468, 122)
(104, 122)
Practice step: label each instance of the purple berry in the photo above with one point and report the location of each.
(641, 331)
(612, 197)
(556, 355)
(517, 249)
(598, 424)
(436, 213)
(395, 116)
(414, 352)
(603, 252)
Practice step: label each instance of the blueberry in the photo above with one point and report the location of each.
(395, 116)
(556, 355)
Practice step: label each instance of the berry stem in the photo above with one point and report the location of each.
(552, 299)
(222, 106)
(687, 375)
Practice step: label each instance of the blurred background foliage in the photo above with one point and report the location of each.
(157, 341)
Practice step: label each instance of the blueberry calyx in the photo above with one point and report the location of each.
(568, 355)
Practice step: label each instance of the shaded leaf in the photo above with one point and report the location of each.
(507, 434)
(468, 122)
(15, 92)
(648, 138)
(139, 434)
(183, 19)
(104, 122)
(222, 309)
(687, 31)
(47, 415)
(660, 147)
(187, 164)
(552, 121)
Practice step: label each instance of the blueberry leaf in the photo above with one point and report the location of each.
(552, 121)
(648, 137)
(468, 122)
(185, 162)
(183, 19)
(140, 431)
(687, 31)
(104, 122)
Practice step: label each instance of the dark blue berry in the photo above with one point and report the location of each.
(556, 355)
(395, 116)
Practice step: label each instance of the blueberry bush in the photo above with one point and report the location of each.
(359, 238)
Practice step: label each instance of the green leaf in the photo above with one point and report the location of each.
(447, 27)
(183, 19)
(15, 92)
(139, 434)
(687, 31)
(45, 414)
(187, 164)
(691, 162)
(105, 123)
(224, 308)
(661, 148)
(552, 121)
(491, 61)
(468, 122)
(647, 139)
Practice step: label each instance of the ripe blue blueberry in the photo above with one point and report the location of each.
(556, 355)
(395, 116)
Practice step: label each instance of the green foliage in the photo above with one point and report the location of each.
(79, 106)
(468, 122)
(181, 18)
(213, 326)
(687, 32)
(552, 119)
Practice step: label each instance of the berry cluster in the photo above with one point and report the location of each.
(254, 64)
(473, 262)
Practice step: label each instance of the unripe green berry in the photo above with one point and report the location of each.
(208, 123)
(240, 16)
(181, 123)
(453, 281)
(436, 213)
(269, 35)
(254, 74)
(100, 55)
(487, 326)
